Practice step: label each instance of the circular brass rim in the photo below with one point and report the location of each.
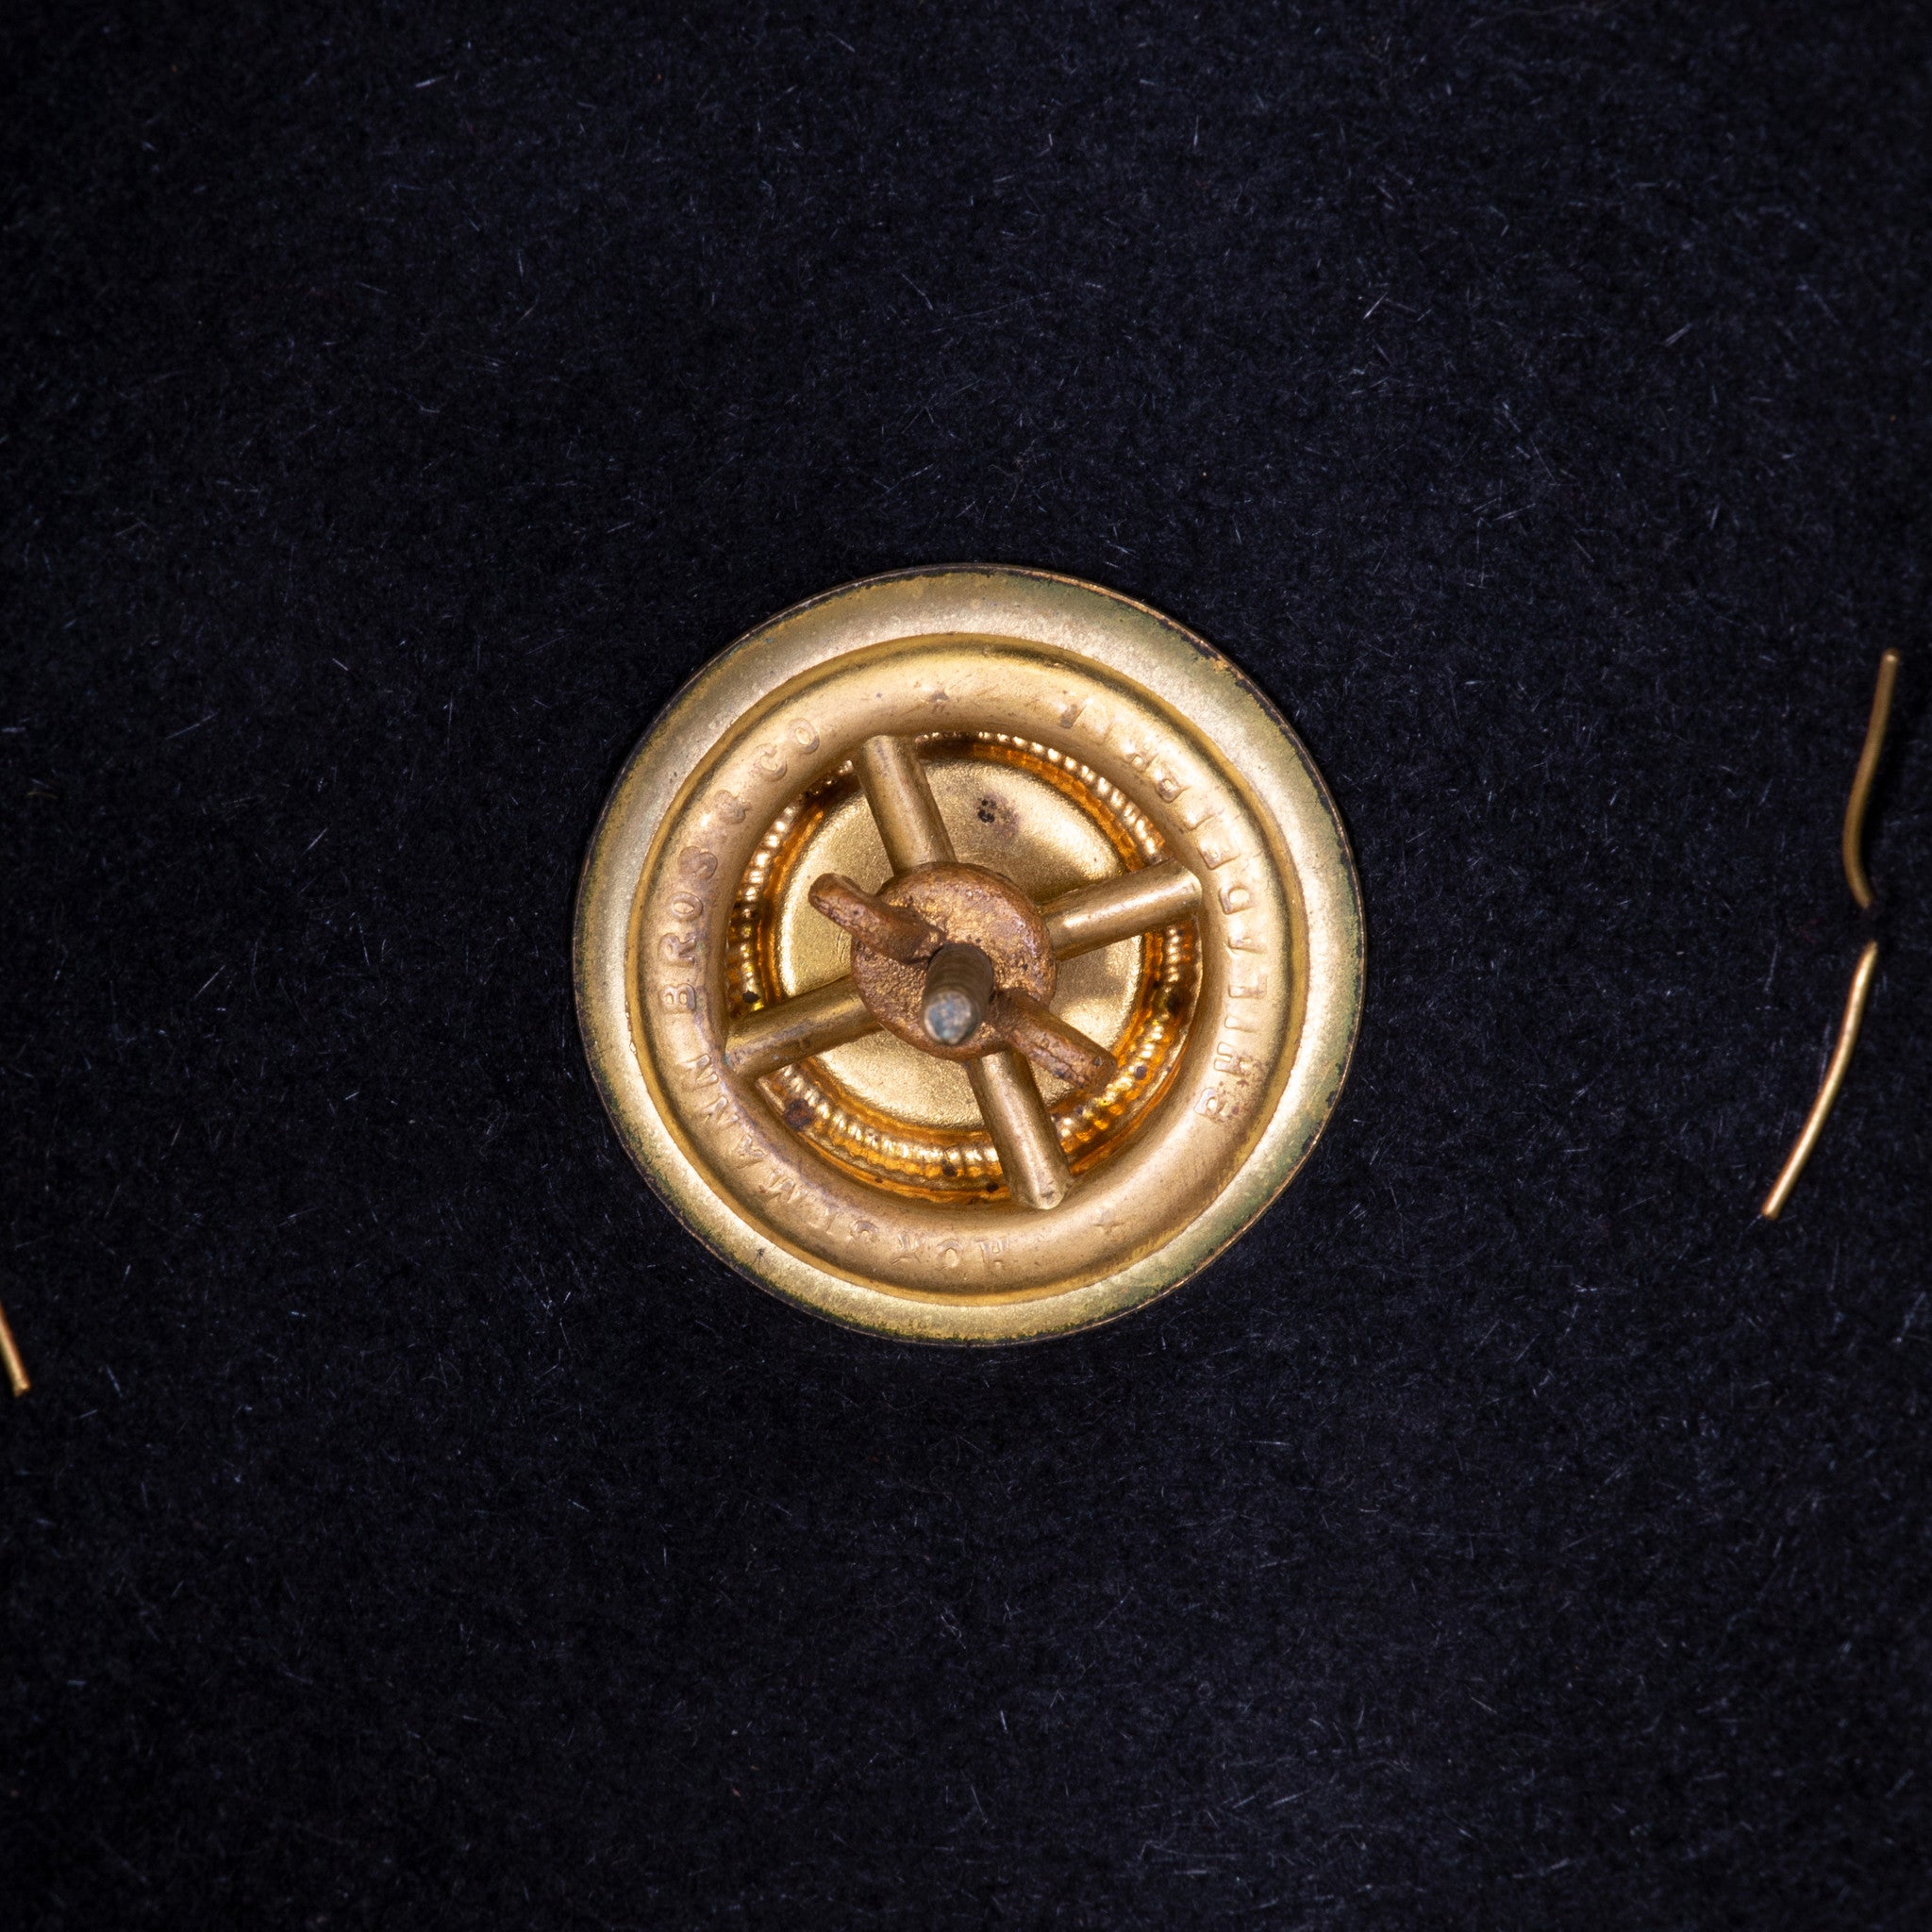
(1153, 711)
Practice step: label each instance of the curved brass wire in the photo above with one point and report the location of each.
(1852, 850)
(1852, 842)
(1862, 975)
(9, 1349)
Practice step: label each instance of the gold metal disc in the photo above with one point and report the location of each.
(912, 734)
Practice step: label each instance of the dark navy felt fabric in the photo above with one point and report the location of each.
(411, 1527)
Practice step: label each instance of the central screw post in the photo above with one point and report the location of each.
(958, 990)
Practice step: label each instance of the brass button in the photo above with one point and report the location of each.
(969, 955)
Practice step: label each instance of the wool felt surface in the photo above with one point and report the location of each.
(412, 1524)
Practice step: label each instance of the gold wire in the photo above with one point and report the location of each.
(1862, 975)
(1851, 849)
(1852, 844)
(16, 1368)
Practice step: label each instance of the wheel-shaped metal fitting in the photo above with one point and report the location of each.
(969, 955)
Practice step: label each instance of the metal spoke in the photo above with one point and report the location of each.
(1094, 916)
(909, 824)
(893, 930)
(1046, 1040)
(1021, 1129)
(795, 1029)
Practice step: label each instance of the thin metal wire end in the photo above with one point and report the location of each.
(1852, 842)
(1862, 976)
(16, 1368)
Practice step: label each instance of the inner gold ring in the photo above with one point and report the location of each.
(903, 1119)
